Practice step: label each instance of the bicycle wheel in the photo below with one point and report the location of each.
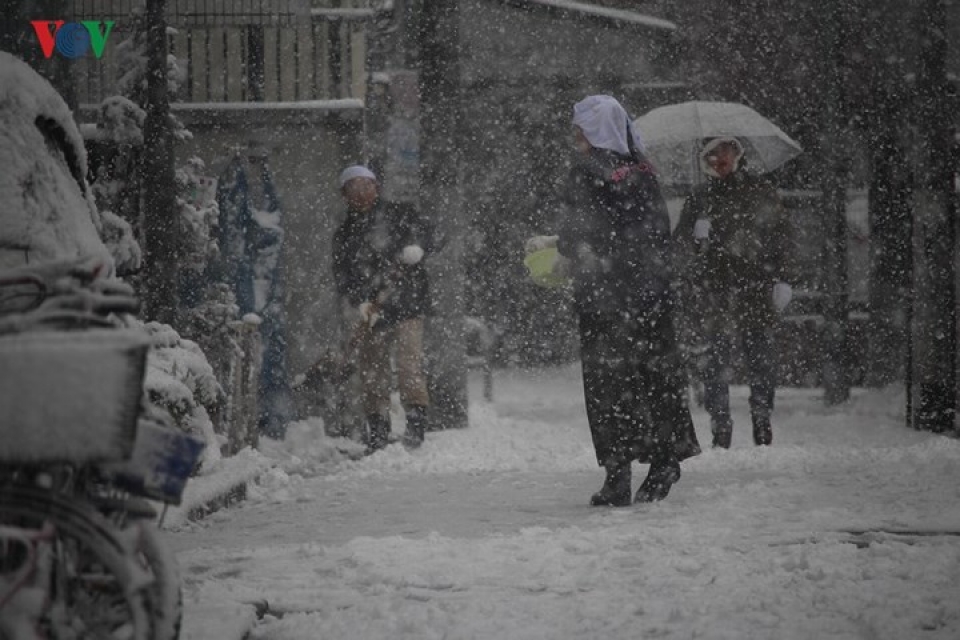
(164, 597)
(96, 589)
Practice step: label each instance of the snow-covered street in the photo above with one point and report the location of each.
(847, 527)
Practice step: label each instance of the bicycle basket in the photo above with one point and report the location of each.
(70, 396)
(162, 461)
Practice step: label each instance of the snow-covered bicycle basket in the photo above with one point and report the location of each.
(162, 461)
(70, 396)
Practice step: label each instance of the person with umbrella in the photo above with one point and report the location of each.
(736, 228)
(614, 243)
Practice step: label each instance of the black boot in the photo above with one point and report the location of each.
(615, 491)
(722, 432)
(416, 425)
(379, 430)
(664, 473)
(762, 431)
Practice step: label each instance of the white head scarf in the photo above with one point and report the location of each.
(605, 124)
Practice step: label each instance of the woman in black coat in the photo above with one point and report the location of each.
(614, 242)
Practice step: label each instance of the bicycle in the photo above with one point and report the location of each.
(81, 555)
(27, 554)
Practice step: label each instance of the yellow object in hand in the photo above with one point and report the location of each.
(540, 265)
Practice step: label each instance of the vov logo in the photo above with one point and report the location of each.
(72, 39)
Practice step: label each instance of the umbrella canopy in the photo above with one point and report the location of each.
(673, 136)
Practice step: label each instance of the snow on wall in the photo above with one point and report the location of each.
(591, 10)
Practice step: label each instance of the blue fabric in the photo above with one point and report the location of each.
(251, 252)
(235, 226)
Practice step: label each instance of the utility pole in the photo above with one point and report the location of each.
(161, 226)
(441, 202)
(933, 402)
(836, 377)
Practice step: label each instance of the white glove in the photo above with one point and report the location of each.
(536, 243)
(782, 295)
(561, 267)
(368, 313)
(411, 254)
(701, 229)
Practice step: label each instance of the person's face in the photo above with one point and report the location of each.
(723, 160)
(580, 141)
(360, 194)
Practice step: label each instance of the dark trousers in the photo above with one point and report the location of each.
(634, 388)
(756, 343)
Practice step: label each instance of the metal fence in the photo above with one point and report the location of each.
(218, 13)
(240, 50)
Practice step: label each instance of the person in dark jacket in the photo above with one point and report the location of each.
(614, 242)
(378, 255)
(736, 230)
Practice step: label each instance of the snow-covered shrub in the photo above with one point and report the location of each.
(115, 144)
(120, 120)
(180, 381)
(117, 234)
(198, 217)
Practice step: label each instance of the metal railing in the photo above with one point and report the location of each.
(240, 50)
(200, 12)
(323, 59)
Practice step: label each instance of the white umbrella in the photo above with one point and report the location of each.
(673, 136)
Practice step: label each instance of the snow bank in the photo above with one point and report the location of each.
(215, 482)
(845, 528)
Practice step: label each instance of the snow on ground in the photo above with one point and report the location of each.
(848, 527)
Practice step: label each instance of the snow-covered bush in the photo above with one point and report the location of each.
(117, 138)
(120, 120)
(180, 381)
(181, 376)
(198, 218)
(117, 234)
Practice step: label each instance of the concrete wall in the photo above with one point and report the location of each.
(522, 72)
(514, 44)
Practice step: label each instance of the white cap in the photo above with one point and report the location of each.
(355, 171)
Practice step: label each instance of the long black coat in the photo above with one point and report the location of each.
(745, 255)
(366, 261)
(616, 233)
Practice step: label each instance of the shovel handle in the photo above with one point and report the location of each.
(360, 329)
